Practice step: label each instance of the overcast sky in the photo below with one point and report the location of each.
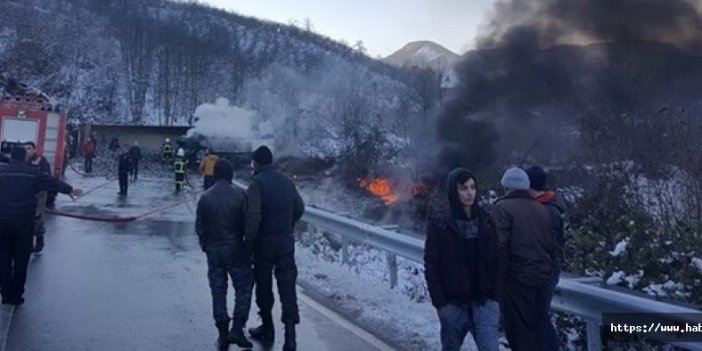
(384, 26)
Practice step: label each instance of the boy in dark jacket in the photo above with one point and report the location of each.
(460, 259)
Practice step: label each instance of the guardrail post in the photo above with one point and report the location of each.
(594, 341)
(344, 250)
(392, 268)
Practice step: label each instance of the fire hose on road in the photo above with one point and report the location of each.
(116, 218)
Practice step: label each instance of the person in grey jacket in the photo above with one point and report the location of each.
(527, 252)
(273, 207)
(220, 228)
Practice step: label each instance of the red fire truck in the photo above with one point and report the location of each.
(32, 118)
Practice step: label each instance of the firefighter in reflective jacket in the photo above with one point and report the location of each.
(167, 150)
(179, 167)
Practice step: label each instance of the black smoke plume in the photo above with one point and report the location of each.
(542, 66)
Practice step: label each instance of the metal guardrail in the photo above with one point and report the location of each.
(574, 296)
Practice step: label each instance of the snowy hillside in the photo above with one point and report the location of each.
(155, 61)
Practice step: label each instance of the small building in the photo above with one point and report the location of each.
(149, 137)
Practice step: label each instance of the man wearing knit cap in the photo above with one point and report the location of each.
(527, 251)
(549, 198)
(273, 206)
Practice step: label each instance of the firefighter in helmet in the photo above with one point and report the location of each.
(180, 166)
(167, 150)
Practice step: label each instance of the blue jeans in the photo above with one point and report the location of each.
(551, 333)
(480, 320)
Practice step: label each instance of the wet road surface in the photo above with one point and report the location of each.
(139, 285)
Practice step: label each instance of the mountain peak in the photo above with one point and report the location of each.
(423, 53)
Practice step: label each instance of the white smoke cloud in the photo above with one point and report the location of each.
(221, 120)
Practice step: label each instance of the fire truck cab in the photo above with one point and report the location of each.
(32, 118)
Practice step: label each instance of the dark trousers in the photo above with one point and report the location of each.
(135, 169)
(525, 316)
(88, 164)
(16, 242)
(285, 275)
(222, 260)
(208, 181)
(123, 182)
(179, 181)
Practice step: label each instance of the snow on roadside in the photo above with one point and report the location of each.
(362, 290)
(616, 278)
(697, 262)
(371, 302)
(620, 247)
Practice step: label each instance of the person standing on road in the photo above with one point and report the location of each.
(550, 199)
(527, 254)
(207, 168)
(124, 167)
(135, 157)
(220, 228)
(18, 185)
(460, 259)
(33, 158)
(179, 169)
(88, 149)
(273, 207)
(166, 151)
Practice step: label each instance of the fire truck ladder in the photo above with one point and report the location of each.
(51, 140)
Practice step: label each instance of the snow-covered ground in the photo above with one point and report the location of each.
(361, 291)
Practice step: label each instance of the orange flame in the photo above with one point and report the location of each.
(380, 187)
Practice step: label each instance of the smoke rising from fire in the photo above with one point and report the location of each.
(540, 66)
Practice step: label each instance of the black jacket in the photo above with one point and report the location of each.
(135, 153)
(527, 244)
(42, 163)
(273, 205)
(220, 216)
(556, 207)
(446, 255)
(19, 182)
(124, 163)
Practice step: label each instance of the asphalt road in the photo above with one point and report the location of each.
(140, 285)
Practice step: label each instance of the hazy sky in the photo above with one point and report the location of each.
(383, 25)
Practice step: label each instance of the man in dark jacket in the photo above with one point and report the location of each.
(135, 157)
(39, 161)
(220, 229)
(460, 258)
(273, 207)
(19, 183)
(124, 166)
(549, 198)
(527, 254)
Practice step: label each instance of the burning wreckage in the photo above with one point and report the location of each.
(236, 150)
